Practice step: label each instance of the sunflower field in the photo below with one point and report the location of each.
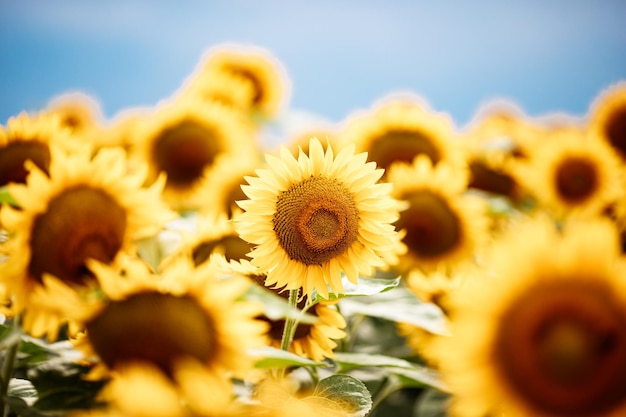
(172, 261)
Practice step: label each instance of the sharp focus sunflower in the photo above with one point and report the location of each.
(545, 334)
(87, 208)
(441, 226)
(198, 340)
(317, 216)
(28, 138)
(398, 131)
(608, 117)
(572, 173)
(256, 67)
(185, 140)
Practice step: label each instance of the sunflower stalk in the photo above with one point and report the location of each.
(7, 370)
(290, 322)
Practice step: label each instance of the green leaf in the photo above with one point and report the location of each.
(276, 358)
(348, 360)
(275, 306)
(398, 305)
(346, 393)
(418, 377)
(24, 389)
(432, 403)
(6, 197)
(366, 286)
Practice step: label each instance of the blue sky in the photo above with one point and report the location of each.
(341, 56)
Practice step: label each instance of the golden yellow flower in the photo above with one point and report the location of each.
(317, 216)
(398, 131)
(88, 208)
(222, 189)
(185, 140)
(441, 226)
(188, 321)
(544, 333)
(572, 173)
(211, 234)
(80, 114)
(256, 67)
(607, 117)
(28, 138)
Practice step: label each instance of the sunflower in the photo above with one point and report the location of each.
(572, 173)
(219, 86)
(222, 189)
(607, 117)
(545, 336)
(187, 326)
(441, 225)
(28, 138)
(185, 140)
(255, 67)
(212, 234)
(317, 216)
(315, 340)
(79, 113)
(87, 208)
(398, 131)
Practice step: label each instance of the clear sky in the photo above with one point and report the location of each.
(341, 56)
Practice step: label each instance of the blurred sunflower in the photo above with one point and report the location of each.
(89, 208)
(569, 172)
(211, 234)
(398, 131)
(28, 138)
(546, 336)
(255, 67)
(315, 340)
(185, 140)
(607, 117)
(222, 87)
(203, 334)
(440, 225)
(80, 114)
(222, 189)
(317, 216)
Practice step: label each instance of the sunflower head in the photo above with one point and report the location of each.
(398, 131)
(184, 141)
(317, 216)
(77, 112)
(262, 73)
(572, 173)
(546, 336)
(608, 117)
(28, 138)
(88, 208)
(440, 225)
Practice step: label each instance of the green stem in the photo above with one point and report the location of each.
(7, 371)
(388, 387)
(290, 322)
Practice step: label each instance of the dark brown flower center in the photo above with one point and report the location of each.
(152, 327)
(315, 220)
(615, 130)
(233, 247)
(576, 179)
(252, 78)
(80, 223)
(432, 227)
(484, 178)
(184, 150)
(13, 156)
(402, 145)
(563, 349)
